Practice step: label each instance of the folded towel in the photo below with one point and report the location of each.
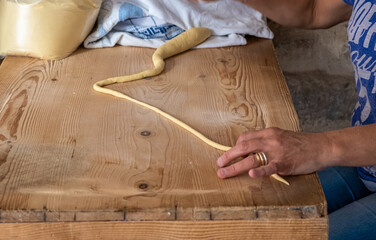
(150, 23)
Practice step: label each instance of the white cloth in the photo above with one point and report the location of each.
(150, 23)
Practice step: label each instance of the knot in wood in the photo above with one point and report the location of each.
(145, 133)
(143, 186)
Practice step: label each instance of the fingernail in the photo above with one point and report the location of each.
(219, 162)
(222, 173)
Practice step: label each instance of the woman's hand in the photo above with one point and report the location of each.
(288, 153)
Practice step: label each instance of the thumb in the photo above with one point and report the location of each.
(263, 171)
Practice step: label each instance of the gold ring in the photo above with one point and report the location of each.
(259, 159)
(262, 159)
(265, 158)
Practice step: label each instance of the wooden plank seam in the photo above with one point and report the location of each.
(215, 214)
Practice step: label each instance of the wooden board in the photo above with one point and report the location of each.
(235, 229)
(68, 153)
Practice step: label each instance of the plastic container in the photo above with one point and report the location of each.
(47, 29)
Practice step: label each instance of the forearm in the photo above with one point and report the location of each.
(292, 153)
(355, 146)
(303, 13)
(286, 12)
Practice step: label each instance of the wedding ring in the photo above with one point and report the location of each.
(265, 158)
(259, 159)
(262, 159)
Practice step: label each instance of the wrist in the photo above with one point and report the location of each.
(331, 153)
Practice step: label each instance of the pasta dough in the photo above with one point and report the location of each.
(181, 43)
(46, 29)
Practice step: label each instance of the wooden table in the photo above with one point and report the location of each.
(75, 163)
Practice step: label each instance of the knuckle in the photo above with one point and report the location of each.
(253, 160)
(232, 170)
(275, 142)
(243, 146)
(241, 138)
(273, 131)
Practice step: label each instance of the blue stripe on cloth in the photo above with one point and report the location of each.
(147, 28)
(364, 172)
(128, 10)
(350, 2)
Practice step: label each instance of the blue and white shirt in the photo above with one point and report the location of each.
(362, 43)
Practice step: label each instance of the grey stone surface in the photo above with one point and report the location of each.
(309, 50)
(323, 102)
(319, 73)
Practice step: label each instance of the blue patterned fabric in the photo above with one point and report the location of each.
(362, 43)
(148, 28)
(126, 18)
(133, 21)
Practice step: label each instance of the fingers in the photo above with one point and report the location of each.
(266, 140)
(263, 171)
(239, 167)
(240, 149)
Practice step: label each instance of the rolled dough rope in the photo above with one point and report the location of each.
(179, 44)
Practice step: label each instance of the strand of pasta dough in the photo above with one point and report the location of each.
(179, 44)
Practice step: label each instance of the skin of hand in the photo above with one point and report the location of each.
(309, 14)
(293, 153)
(288, 153)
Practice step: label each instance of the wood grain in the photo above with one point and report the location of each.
(68, 153)
(236, 229)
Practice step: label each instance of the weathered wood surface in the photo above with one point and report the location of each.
(68, 153)
(236, 229)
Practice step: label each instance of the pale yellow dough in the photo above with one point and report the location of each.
(179, 44)
(46, 29)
